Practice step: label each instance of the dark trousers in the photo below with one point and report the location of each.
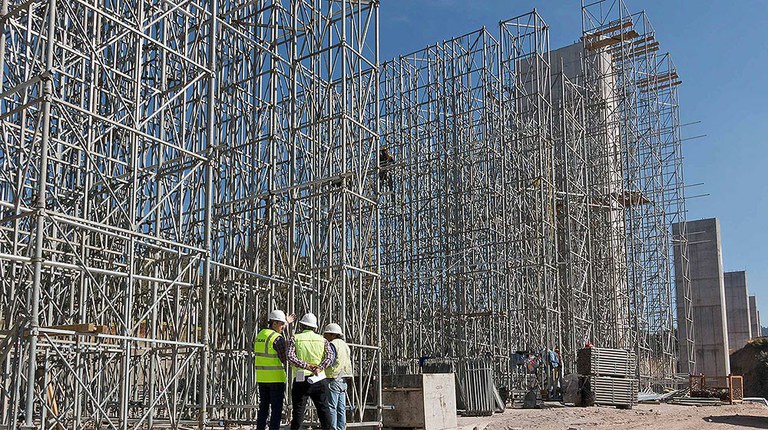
(319, 393)
(270, 396)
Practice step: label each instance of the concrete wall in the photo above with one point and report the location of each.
(737, 309)
(710, 326)
(754, 317)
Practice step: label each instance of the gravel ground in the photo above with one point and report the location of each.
(648, 417)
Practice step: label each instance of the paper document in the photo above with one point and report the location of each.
(313, 379)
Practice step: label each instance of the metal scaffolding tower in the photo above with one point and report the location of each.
(528, 204)
(575, 217)
(642, 106)
(444, 134)
(171, 172)
(469, 227)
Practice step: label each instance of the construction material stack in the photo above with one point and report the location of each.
(426, 401)
(608, 374)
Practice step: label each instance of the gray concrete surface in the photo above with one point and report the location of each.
(426, 401)
(705, 270)
(754, 317)
(737, 309)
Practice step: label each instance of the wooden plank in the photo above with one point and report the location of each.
(673, 84)
(634, 44)
(53, 405)
(79, 328)
(608, 41)
(640, 50)
(658, 79)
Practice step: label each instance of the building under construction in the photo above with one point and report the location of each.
(172, 171)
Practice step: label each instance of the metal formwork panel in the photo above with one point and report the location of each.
(614, 391)
(606, 362)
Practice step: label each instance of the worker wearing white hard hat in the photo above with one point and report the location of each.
(309, 320)
(309, 355)
(341, 369)
(270, 351)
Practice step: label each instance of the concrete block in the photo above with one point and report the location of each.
(426, 401)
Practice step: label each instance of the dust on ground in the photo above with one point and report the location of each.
(648, 417)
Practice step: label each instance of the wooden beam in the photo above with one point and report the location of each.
(612, 40)
(633, 44)
(671, 84)
(640, 50)
(80, 328)
(658, 79)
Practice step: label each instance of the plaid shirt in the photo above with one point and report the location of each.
(281, 348)
(330, 356)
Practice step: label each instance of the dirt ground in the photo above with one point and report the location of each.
(647, 417)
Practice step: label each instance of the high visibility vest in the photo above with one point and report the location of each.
(268, 366)
(310, 347)
(342, 367)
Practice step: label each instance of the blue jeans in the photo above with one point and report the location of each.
(270, 397)
(338, 404)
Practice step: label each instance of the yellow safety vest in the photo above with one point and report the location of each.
(342, 367)
(269, 368)
(310, 347)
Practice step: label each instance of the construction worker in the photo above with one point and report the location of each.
(270, 352)
(341, 368)
(310, 354)
(386, 160)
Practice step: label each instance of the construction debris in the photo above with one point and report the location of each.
(651, 397)
(759, 400)
(697, 401)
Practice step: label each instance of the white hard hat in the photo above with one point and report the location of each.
(277, 315)
(333, 328)
(309, 320)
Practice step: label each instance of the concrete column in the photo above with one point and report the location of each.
(707, 296)
(754, 318)
(737, 309)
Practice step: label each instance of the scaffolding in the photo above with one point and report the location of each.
(474, 265)
(173, 171)
(170, 173)
(574, 207)
(444, 253)
(559, 176)
(642, 105)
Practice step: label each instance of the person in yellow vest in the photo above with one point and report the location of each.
(341, 368)
(309, 355)
(270, 351)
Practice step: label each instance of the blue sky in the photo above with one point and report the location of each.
(720, 52)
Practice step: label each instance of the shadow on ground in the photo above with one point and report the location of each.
(740, 420)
